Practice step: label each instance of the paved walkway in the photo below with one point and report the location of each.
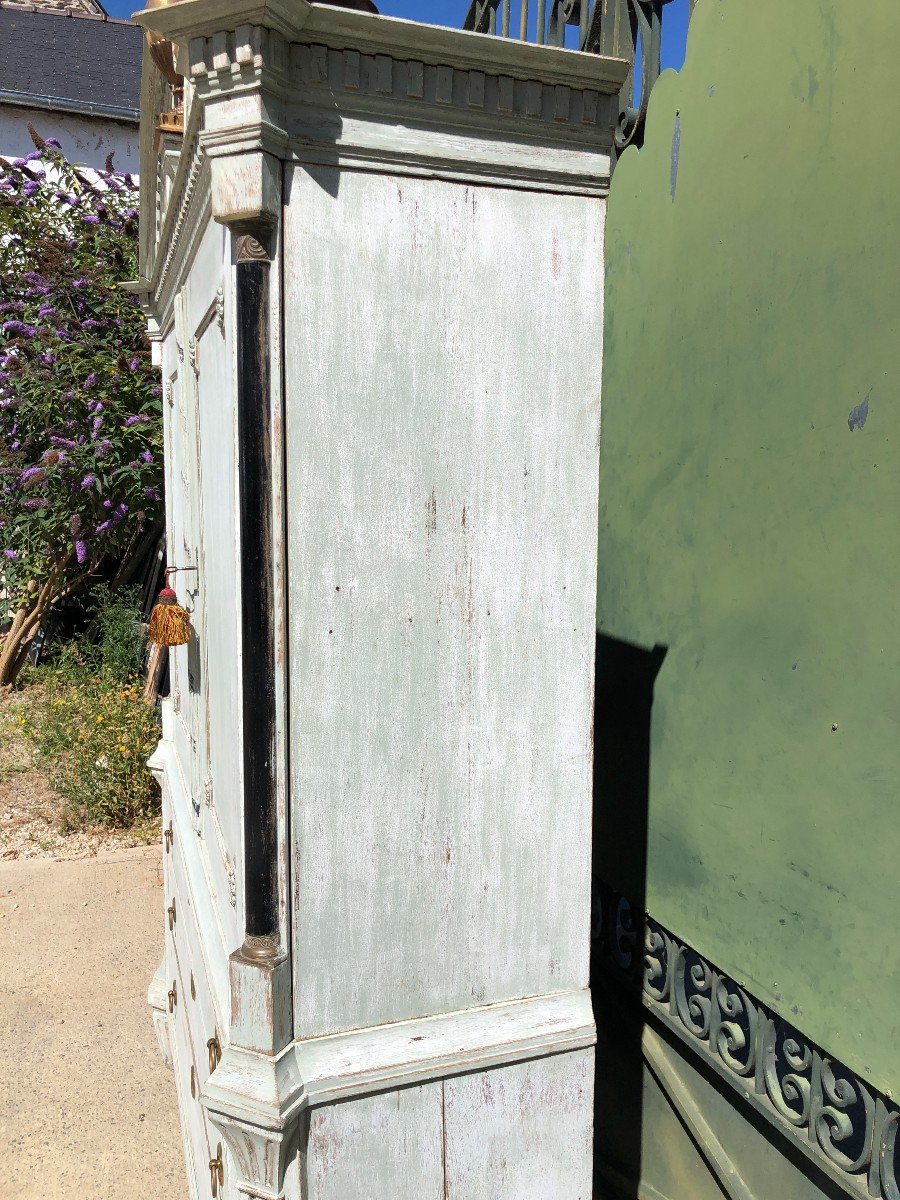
(87, 1108)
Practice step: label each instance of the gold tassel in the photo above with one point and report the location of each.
(170, 624)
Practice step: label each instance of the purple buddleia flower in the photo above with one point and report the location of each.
(81, 551)
(78, 284)
(34, 156)
(19, 327)
(90, 219)
(104, 526)
(146, 456)
(95, 426)
(11, 554)
(88, 481)
(30, 473)
(91, 381)
(46, 310)
(103, 449)
(133, 365)
(75, 524)
(54, 142)
(137, 419)
(152, 493)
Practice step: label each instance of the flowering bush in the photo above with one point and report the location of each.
(80, 412)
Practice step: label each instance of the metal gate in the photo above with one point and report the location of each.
(745, 968)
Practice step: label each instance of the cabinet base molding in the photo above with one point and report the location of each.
(257, 1101)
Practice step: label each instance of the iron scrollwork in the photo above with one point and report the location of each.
(843, 1123)
(617, 28)
(614, 28)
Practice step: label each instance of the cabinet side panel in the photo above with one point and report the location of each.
(443, 358)
(522, 1133)
(385, 1145)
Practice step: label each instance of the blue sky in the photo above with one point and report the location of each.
(452, 12)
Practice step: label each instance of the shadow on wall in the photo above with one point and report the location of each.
(626, 677)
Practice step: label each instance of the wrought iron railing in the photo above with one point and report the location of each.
(849, 1129)
(629, 29)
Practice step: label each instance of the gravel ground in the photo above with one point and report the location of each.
(87, 1108)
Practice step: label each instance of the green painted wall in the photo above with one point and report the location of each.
(750, 514)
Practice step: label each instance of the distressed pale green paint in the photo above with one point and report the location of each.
(753, 302)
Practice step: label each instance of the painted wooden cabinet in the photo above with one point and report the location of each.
(374, 285)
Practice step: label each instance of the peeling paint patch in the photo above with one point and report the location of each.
(676, 155)
(859, 415)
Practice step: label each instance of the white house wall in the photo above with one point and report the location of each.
(85, 140)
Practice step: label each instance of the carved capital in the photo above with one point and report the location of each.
(251, 249)
(256, 1102)
(258, 1157)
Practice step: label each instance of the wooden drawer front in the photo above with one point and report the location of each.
(193, 1118)
(196, 1001)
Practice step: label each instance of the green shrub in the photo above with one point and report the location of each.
(122, 640)
(94, 729)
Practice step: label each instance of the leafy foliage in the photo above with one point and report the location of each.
(80, 412)
(94, 730)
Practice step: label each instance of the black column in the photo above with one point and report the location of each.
(257, 594)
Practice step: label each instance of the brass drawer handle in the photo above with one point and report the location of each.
(169, 837)
(173, 916)
(216, 1171)
(214, 1050)
(173, 996)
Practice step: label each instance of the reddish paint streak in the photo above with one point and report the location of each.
(556, 256)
